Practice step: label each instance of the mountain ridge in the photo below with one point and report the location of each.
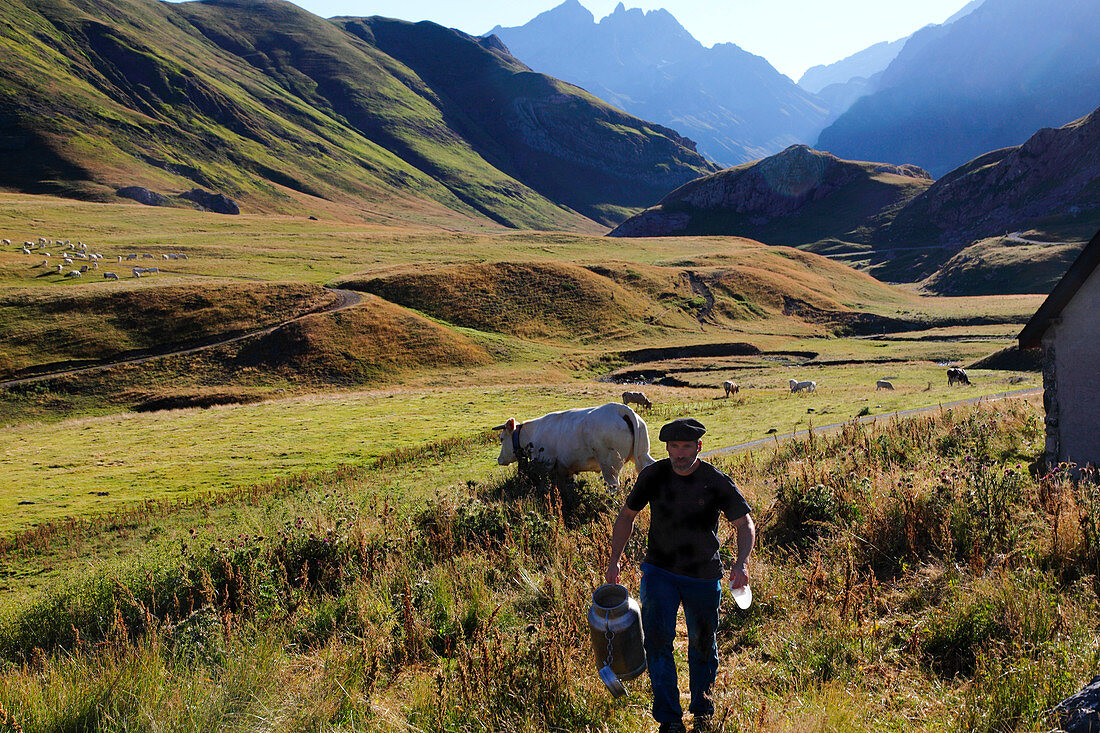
(984, 82)
(734, 104)
(287, 112)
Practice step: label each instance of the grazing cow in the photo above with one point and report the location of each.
(731, 387)
(183, 257)
(883, 384)
(26, 251)
(73, 273)
(131, 256)
(7, 243)
(600, 438)
(110, 276)
(806, 386)
(957, 376)
(637, 398)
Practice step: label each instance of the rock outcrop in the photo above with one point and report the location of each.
(219, 203)
(1080, 713)
(142, 195)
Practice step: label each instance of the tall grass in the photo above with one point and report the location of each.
(913, 575)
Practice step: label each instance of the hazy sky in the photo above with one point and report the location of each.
(792, 34)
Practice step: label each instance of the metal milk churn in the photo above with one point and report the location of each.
(615, 622)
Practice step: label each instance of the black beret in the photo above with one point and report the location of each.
(684, 428)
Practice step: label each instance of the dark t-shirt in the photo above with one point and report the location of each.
(683, 523)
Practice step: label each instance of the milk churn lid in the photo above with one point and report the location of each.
(612, 681)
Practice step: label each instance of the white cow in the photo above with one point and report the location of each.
(806, 386)
(730, 387)
(600, 439)
(110, 276)
(637, 398)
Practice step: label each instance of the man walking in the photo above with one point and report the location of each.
(682, 566)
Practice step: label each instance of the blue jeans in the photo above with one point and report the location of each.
(662, 593)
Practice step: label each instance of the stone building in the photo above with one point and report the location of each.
(1067, 328)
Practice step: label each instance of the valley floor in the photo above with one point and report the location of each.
(305, 526)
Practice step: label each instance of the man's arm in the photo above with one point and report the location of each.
(620, 534)
(746, 538)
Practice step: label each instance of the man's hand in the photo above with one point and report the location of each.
(739, 575)
(611, 577)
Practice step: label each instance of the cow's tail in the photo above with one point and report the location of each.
(641, 439)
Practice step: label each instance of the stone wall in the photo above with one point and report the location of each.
(1071, 377)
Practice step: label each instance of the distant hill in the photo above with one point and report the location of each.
(1008, 221)
(797, 197)
(735, 105)
(984, 82)
(283, 111)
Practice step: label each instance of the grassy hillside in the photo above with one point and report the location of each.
(286, 112)
(83, 323)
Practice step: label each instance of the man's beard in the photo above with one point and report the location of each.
(682, 464)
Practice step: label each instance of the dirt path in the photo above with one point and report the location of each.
(759, 442)
(700, 288)
(344, 299)
(1015, 237)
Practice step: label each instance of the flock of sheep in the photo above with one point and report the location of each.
(71, 252)
(954, 376)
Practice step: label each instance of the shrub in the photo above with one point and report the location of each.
(804, 512)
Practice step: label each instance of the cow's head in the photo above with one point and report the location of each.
(507, 453)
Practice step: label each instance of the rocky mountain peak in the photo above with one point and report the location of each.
(796, 170)
(573, 11)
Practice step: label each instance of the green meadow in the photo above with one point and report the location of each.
(307, 527)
